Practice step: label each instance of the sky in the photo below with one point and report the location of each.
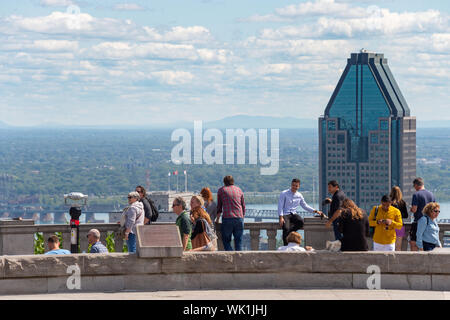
(136, 62)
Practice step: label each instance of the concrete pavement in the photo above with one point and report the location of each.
(279, 294)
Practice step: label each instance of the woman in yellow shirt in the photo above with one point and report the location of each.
(385, 218)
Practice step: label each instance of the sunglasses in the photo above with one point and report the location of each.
(130, 197)
(437, 211)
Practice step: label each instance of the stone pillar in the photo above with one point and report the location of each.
(84, 243)
(103, 236)
(14, 240)
(254, 239)
(118, 242)
(47, 235)
(219, 237)
(316, 234)
(66, 240)
(405, 238)
(272, 239)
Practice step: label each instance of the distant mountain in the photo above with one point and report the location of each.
(246, 121)
(433, 124)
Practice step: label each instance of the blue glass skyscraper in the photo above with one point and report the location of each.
(367, 138)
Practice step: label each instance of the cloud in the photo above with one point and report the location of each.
(328, 18)
(128, 7)
(320, 7)
(379, 23)
(56, 3)
(308, 9)
(173, 77)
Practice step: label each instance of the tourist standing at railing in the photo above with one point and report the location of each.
(231, 206)
(386, 219)
(210, 205)
(288, 204)
(428, 229)
(145, 203)
(335, 204)
(419, 200)
(183, 222)
(203, 235)
(398, 202)
(132, 217)
(353, 224)
(198, 202)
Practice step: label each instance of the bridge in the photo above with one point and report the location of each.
(259, 215)
(58, 215)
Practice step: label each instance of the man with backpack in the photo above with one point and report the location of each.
(151, 213)
(386, 219)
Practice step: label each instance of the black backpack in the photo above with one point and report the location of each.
(155, 212)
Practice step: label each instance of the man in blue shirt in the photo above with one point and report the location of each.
(288, 203)
(53, 245)
(419, 200)
(94, 240)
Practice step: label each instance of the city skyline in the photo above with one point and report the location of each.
(84, 63)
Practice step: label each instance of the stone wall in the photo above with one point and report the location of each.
(225, 270)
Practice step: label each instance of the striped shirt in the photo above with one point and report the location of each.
(230, 202)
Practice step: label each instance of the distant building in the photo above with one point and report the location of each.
(163, 201)
(367, 138)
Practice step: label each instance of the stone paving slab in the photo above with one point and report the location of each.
(287, 294)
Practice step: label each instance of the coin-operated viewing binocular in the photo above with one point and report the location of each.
(73, 199)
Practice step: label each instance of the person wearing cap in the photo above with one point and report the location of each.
(94, 240)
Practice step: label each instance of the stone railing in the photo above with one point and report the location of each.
(224, 270)
(18, 237)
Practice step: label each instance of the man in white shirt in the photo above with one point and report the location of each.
(288, 203)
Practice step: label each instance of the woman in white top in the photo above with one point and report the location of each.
(132, 217)
(294, 240)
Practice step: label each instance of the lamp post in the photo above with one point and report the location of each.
(75, 213)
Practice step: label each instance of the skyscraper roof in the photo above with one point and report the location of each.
(383, 76)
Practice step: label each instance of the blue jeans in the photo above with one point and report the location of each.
(337, 234)
(131, 243)
(235, 227)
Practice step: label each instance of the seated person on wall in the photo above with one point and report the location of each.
(294, 240)
(53, 245)
(94, 240)
(427, 228)
(386, 219)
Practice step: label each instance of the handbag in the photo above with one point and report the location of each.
(122, 227)
(201, 239)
